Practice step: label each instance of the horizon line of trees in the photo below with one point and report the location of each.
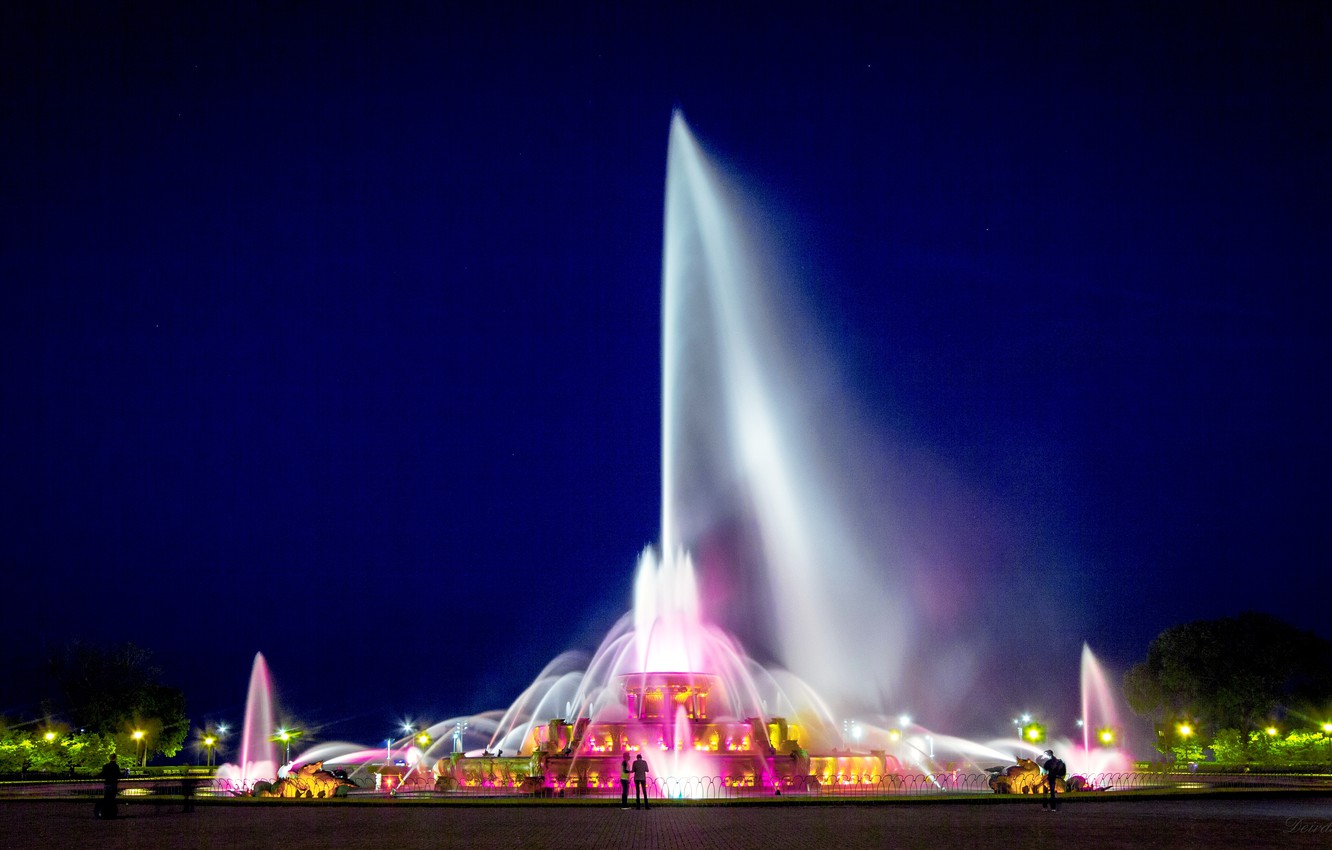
(96, 700)
(1249, 689)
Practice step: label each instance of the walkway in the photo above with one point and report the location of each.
(1210, 822)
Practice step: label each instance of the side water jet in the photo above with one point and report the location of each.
(1104, 736)
(257, 759)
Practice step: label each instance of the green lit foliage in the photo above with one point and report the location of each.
(1228, 747)
(27, 748)
(1187, 751)
(15, 745)
(1302, 746)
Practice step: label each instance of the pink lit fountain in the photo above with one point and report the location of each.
(669, 685)
(762, 489)
(1104, 736)
(258, 754)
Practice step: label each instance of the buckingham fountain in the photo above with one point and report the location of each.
(758, 535)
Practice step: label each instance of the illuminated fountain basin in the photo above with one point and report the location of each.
(664, 683)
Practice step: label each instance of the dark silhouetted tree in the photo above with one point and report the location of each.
(115, 691)
(1232, 673)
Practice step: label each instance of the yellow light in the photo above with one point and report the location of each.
(1271, 731)
(1107, 736)
(1327, 727)
(49, 736)
(209, 741)
(138, 735)
(1185, 730)
(423, 739)
(284, 735)
(894, 735)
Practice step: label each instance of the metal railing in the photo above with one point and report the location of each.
(843, 786)
(704, 788)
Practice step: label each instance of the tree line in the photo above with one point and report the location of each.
(1249, 689)
(97, 701)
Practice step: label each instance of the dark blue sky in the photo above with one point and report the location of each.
(332, 331)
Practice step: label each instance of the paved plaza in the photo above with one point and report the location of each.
(1203, 822)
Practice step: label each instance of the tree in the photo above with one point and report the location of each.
(1232, 673)
(112, 692)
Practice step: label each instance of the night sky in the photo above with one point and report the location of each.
(333, 331)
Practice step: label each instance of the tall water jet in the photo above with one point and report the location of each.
(764, 535)
(748, 453)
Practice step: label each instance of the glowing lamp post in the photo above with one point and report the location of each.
(49, 737)
(285, 737)
(1033, 733)
(1106, 736)
(1185, 732)
(423, 739)
(137, 735)
(209, 743)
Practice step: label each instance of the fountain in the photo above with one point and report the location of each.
(258, 754)
(758, 538)
(667, 684)
(1104, 736)
(742, 483)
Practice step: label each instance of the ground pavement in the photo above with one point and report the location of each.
(1203, 822)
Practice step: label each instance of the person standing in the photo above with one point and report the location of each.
(110, 775)
(640, 781)
(624, 782)
(1055, 770)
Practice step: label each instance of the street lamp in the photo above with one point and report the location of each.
(137, 735)
(1185, 732)
(285, 737)
(423, 739)
(1106, 736)
(209, 743)
(1033, 733)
